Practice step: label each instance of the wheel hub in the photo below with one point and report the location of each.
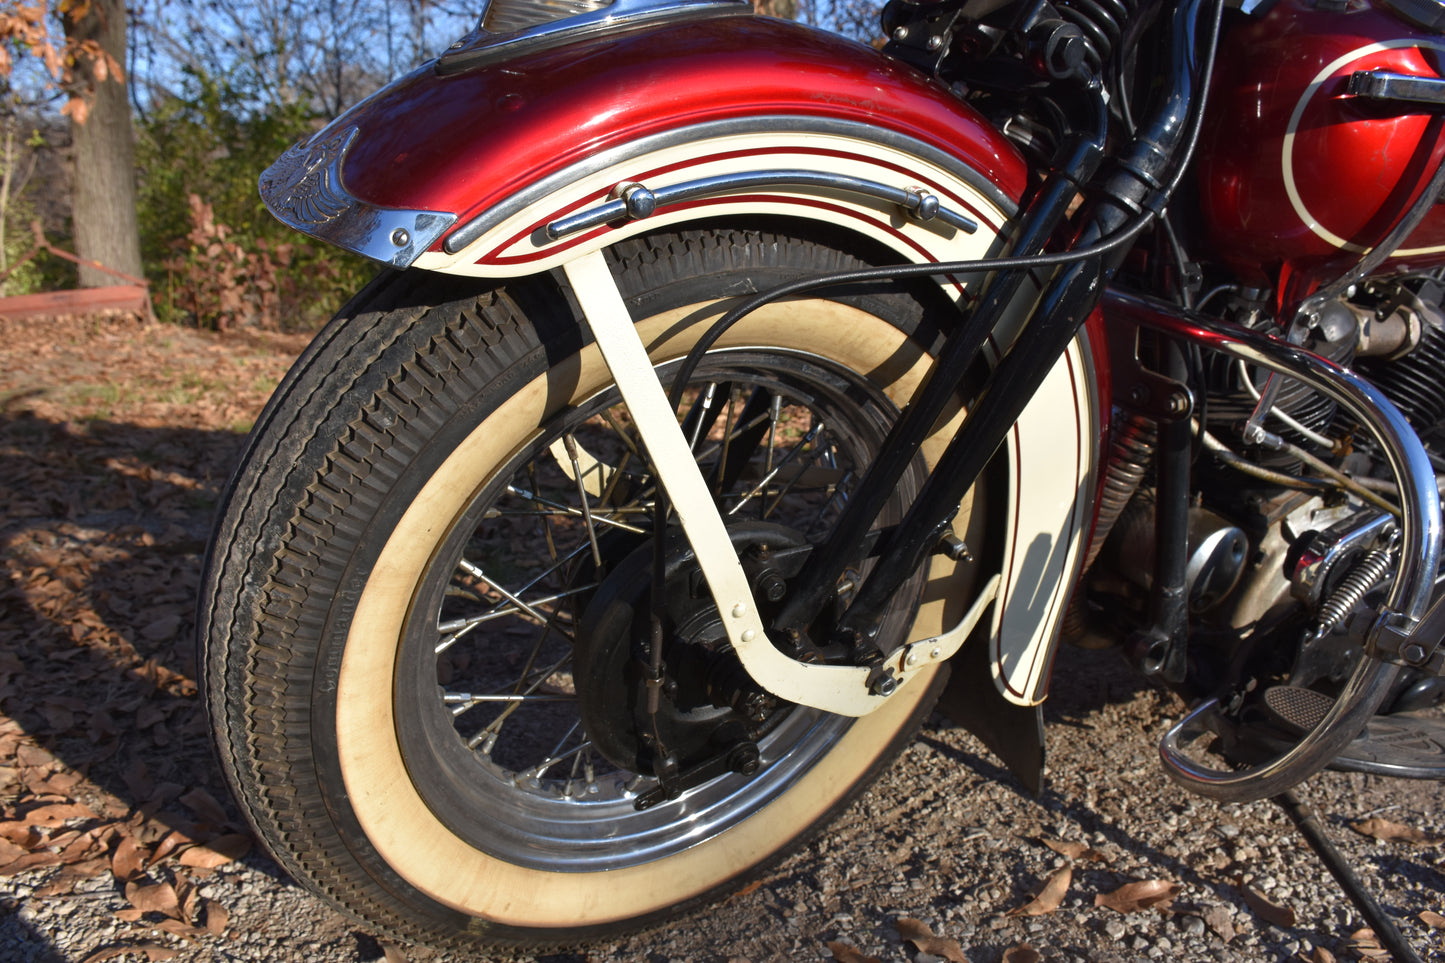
(709, 711)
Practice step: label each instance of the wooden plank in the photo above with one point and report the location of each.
(120, 297)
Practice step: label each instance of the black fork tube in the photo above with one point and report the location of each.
(1068, 303)
(816, 584)
(1146, 175)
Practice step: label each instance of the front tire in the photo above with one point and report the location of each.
(400, 576)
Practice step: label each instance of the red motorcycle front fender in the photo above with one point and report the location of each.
(528, 164)
(433, 161)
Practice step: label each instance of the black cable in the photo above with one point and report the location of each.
(898, 272)
(892, 273)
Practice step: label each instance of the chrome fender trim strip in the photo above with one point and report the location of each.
(478, 225)
(635, 201)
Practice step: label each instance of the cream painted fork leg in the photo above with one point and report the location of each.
(840, 689)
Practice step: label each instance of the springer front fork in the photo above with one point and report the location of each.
(1138, 183)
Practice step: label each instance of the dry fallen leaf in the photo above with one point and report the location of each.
(184, 930)
(1366, 945)
(393, 953)
(1432, 918)
(203, 804)
(1074, 850)
(30, 861)
(218, 852)
(190, 896)
(1322, 955)
(17, 831)
(1049, 898)
(1271, 912)
(156, 898)
(138, 779)
(154, 952)
(918, 933)
(1022, 954)
(217, 917)
(752, 887)
(173, 841)
(64, 882)
(844, 953)
(1392, 832)
(129, 860)
(1133, 897)
(50, 817)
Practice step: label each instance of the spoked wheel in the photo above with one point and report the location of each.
(427, 605)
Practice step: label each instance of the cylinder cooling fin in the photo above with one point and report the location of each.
(1232, 400)
(1413, 383)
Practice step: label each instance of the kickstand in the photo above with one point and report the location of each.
(1385, 929)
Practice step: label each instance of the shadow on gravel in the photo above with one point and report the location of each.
(19, 943)
(102, 543)
(104, 743)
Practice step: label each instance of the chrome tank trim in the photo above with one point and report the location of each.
(636, 202)
(1420, 529)
(482, 46)
(478, 226)
(304, 190)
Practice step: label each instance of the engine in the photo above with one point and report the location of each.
(1270, 544)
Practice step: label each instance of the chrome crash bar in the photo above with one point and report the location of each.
(1409, 595)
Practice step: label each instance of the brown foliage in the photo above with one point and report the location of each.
(222, 284)
(1050, 898)
(919, 934)
(74, 64)
(1146, 894)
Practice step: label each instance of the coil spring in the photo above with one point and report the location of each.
(1129, 456)
(1102, 22)
(1368, 572)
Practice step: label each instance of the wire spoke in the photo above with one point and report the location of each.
(537, 771)
(570, 443)
(490, 731)
(548, 619)
(700, 416)
(455, 629)
(574, 512)
(817, 452)
(462, 701)
(546, 521)
(761, 486)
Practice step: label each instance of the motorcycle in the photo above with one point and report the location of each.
(735, 393)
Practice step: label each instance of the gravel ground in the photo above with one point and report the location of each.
(948, 838)
(113, 441)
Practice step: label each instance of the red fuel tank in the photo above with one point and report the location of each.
(1297, 176)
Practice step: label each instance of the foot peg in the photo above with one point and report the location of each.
(1407, 745)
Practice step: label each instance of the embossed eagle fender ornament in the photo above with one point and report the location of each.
(304, 190)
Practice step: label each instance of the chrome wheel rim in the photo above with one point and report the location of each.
(486, 712)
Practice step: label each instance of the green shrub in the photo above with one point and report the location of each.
(215, 257)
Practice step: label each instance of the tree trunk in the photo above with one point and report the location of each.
(104, 205)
